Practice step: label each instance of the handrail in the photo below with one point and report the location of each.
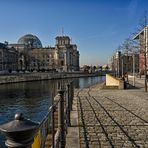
(49, 111)
(39, 133)
(56, 137)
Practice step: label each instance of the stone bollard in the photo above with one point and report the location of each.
(19, 132)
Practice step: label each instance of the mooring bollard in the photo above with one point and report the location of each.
(19, 132)
(61, 118)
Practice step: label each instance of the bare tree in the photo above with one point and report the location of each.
(125, 61)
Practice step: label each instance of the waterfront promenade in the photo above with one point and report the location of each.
(104, 118)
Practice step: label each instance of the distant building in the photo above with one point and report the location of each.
(42, 59)
(67, 55)
(31, 41)
(19, 47)
(64, 56)
(141, 62)
(8, 58)
(142, 36)
(27, 42)
(123, 63)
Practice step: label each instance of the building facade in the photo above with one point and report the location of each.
(63, 57)
(67, 55)
(142, 37)
(41, 59)
(122, 63)
(8, 58)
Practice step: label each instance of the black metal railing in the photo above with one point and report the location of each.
(50, 132)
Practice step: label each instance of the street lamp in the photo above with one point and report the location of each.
(133, 69)
(145, 59)
(122, 65)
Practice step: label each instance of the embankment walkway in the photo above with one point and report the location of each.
(109, 118)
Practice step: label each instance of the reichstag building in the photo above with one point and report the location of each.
(30, 55)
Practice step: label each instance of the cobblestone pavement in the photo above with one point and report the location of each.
(112, 118)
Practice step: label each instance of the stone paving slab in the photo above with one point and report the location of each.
(111, 118)
(72, 138)
(120, 120)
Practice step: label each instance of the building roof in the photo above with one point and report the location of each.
(2, 45)
(30, 40)
(62, 37)
(136, 37)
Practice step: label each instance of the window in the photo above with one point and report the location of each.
(62, 63)
(61, 55)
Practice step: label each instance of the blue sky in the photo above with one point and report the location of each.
(98, 27)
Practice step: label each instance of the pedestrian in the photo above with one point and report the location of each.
(140, 74)
(123, 79)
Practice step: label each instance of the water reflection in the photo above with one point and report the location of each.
(31, 98)
(88, 81)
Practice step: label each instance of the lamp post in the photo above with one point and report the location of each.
(145, 59)
(133, 69)
(122, 64)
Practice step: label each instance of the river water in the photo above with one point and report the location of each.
(33, 98)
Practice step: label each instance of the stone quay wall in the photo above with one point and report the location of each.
(26, 77)
(114, 82)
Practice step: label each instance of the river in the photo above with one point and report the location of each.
(32, 98)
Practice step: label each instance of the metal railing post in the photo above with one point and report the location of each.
(53, 123)
(72, 94)
(68, 105)
(61, 118)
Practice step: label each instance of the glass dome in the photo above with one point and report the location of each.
(30, 40)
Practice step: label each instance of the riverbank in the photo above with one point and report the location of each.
(26, 77)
